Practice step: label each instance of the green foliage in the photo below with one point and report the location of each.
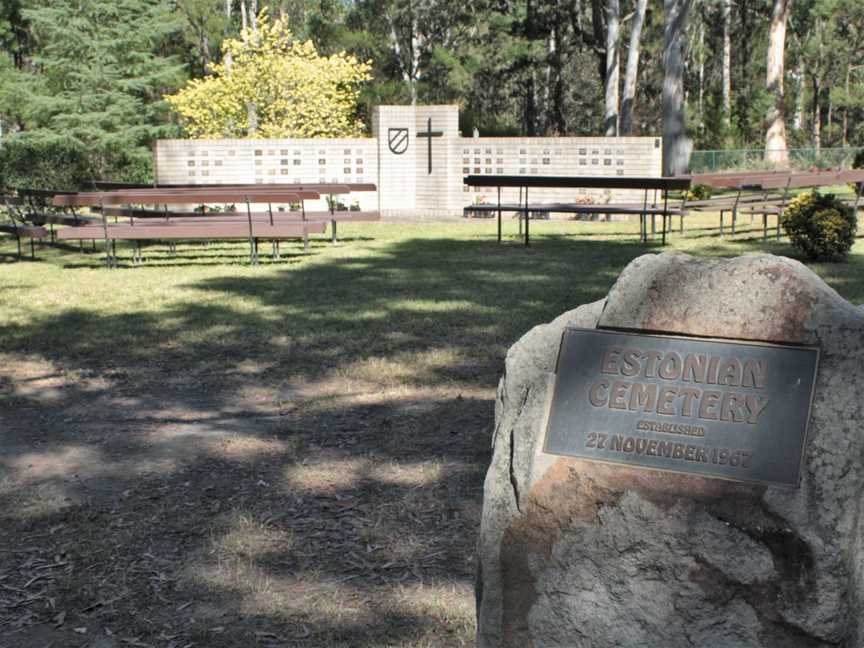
(97, 71)
(274, 87)
(96, 77)
(204, 26)
(48, 162)
(820, 226)
(58, 162)
(699, 192)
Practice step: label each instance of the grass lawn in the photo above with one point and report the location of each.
(199, 452)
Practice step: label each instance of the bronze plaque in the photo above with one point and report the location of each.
(734, 410)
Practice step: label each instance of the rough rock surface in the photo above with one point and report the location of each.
(581, 554)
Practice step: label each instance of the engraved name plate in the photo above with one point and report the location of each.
(733, 410)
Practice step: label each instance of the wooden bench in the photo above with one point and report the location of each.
(137, 231)
(524, 209)
(18, 228)
(37, 209)
(228, 194)
(172, 224)
(770, 203)
(207, 216)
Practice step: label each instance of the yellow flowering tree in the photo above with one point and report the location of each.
(271, 86)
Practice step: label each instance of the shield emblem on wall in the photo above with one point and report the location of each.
(397, 140)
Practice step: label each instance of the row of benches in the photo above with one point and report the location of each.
(136, 213)
(751, 193)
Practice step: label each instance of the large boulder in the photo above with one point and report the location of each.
(575, 553)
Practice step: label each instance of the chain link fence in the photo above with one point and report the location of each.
(755, 159)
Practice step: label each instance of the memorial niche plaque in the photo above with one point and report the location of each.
(733, 410)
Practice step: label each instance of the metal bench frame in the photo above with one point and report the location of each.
(18, 227)
(645, 184)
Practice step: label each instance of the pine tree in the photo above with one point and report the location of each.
(96, 77)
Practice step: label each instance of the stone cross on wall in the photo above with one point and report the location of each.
(429, 134)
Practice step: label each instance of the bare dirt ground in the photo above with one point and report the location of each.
(136, 511)
(199, 453)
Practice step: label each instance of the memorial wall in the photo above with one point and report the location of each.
(417, 158)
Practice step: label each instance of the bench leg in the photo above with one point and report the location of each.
(721, 223)
(333, 239)
(734, 218)
(778, 226)
(764, 227)
(653, 225)
(18, 240)
(681, 223)
(499, 214)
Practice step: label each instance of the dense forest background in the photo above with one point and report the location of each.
(86, 79)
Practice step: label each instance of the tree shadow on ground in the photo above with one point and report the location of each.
(291, 458)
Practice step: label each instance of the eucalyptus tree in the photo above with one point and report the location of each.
(676, 144)
(776, 148)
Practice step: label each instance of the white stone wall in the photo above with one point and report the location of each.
(434, 190)
(558, 156)
(397, 176)
(271, 162)
(405, 186)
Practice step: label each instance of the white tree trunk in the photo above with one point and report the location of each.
(800, 79)
(727, 61)
(701, 96)
(776, 149)
(817, 115)
(632, 71)
(676, 144)
(415, 60)
(251, 109)
(846, 108)
(613, 17)
(404, 68)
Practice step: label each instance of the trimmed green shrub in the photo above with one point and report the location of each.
(820, 226)
(49, 163)
(56, 162)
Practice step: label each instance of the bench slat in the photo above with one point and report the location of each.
(195, 231)
(213, 217)
(185, 197)
(42, 218)
(567, 208)
(580, 182)
(25, 231)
